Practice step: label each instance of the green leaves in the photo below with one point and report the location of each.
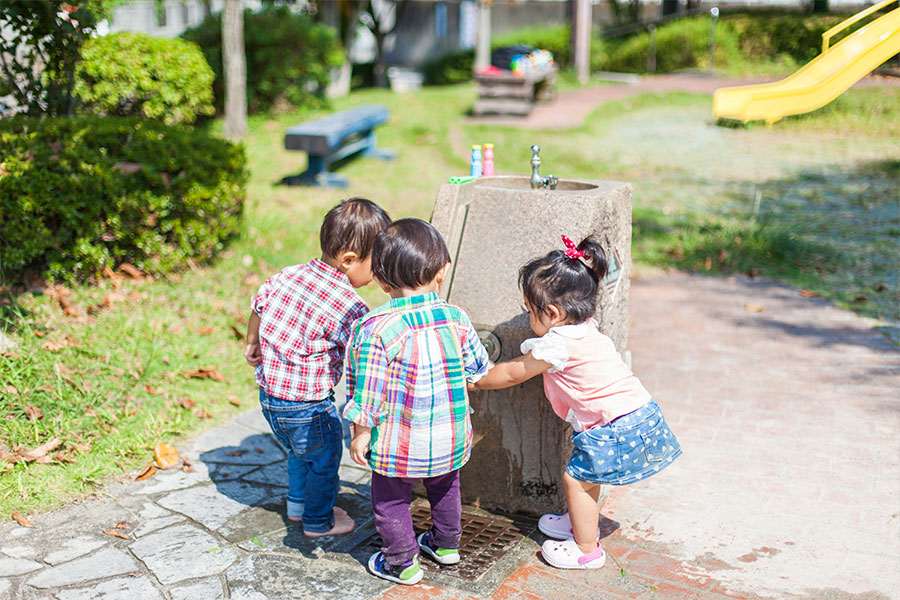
(126, 74)
(69, 207)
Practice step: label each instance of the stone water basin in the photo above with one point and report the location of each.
(493, 226)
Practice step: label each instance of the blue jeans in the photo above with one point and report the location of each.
(312, 434)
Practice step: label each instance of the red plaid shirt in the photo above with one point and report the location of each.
(305, 314)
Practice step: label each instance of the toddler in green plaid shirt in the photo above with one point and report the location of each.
(408, 363)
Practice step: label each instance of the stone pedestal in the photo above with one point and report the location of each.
(493, 226)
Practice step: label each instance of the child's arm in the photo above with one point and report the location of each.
(359, 445)
(366, 371)
(510, 373)
(252, 351)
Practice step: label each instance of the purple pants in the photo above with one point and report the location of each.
(391, 497)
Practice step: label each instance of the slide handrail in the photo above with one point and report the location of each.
(826, 37)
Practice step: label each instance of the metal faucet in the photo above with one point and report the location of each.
(537, 181)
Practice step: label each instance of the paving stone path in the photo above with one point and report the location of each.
(789, 486)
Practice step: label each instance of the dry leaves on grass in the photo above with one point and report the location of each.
(60, 343)
(809, 294)
(131, 271)
(234, 400)
(33, 413)
(21, 519)
(205, 330)
(40, 453)
(148, 471)
(166, 456)
(208, 372)
(62, 296)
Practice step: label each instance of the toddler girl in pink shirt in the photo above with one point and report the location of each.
(619, 433)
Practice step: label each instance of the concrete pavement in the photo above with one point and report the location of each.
(786, 407)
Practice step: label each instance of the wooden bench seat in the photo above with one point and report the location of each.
(506, 94)
(335, 137)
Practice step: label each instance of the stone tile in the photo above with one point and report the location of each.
(167, 481)
(275, 474)
(73, 548)
(156, 524)
(5, 589)
(237, 445)
(221, 472)
(266, 576)
(152, 511)
(19, 551)
(253, 419)
(17, 566)
(131, 588)
(205, 589)
(213, 505)
(105, 563)
(183, 552)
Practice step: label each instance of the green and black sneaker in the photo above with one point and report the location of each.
(405, 575)
(445, 556)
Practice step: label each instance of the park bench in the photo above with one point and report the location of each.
(507, 94)
(333, 138)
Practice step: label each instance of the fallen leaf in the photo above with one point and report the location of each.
(121, 466)
(252, 279)
(166, 456)
(11, 389)
(21, 519)
(236, 453)
(259, 450)
(809, 294)
(234, 400)
(187, 403)
(8, 354)
(860, 299)
(33, 413)
(111, 298)
(152, 390)
(122, 525)
(752, 273)
(41, 451)
(753, 307)
(204, 330)
(707, 264)
(148, 471)
(127, 168)
(131, 271)
(117, 534)
(54, 345)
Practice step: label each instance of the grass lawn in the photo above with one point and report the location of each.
(812, 201)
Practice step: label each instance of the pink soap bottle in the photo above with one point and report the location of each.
(488, 161)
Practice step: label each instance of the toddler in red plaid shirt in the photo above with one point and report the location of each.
(296, 338)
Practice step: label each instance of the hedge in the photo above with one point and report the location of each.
(78, 195)
(124, 74)
(289, 57)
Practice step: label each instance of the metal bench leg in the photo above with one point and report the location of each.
(316, 174)
(374, 151)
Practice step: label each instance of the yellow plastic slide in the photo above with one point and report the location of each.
(821, 80)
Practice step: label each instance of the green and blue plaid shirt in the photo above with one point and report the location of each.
(407, 366)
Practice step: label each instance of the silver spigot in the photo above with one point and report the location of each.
(537, 181)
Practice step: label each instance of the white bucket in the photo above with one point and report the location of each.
(404, 80)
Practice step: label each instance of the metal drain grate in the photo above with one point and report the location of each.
(484, 541)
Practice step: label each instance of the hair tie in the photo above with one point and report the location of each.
(574, 253)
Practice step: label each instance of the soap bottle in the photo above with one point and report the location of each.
(476, 161)
(488, 163)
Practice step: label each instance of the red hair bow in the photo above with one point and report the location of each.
(571, 250)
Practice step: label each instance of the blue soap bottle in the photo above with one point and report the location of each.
(476, 161)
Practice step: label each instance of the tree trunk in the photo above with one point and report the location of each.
(235, 70)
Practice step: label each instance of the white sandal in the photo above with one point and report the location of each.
(559, 527)
(567, 555)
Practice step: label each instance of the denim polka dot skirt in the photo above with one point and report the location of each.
(626, 450)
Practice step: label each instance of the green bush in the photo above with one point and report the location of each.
(454, 67)
(745, 42)
(125, 74)
(289, 57)
(81, 194)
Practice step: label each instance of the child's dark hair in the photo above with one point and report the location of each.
(351, 226)
(569, 283)
(408, 254)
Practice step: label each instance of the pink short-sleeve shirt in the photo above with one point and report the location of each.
(589, 384)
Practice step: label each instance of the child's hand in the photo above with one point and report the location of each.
(359, 445)
(253, 354)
